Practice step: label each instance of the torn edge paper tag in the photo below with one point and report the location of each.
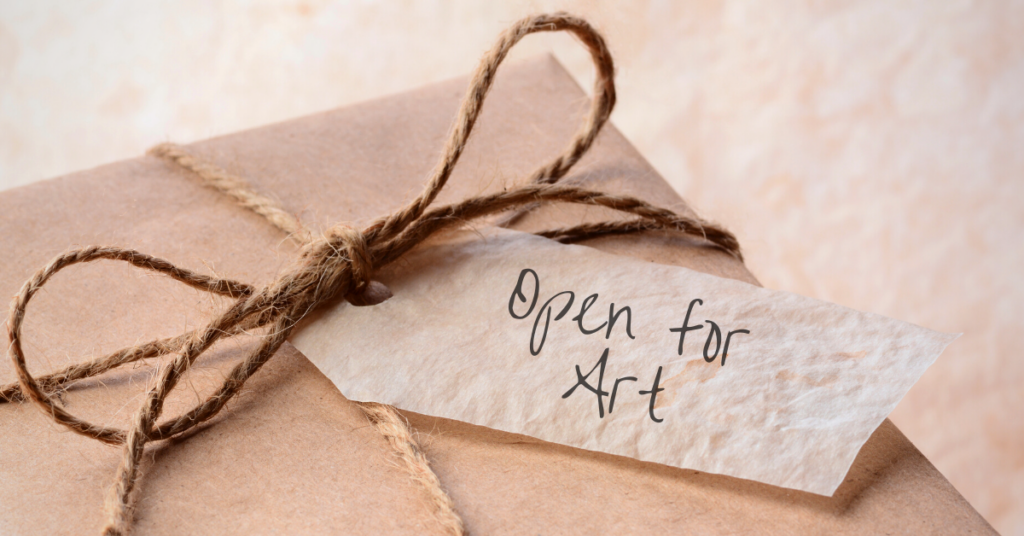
(609, 353)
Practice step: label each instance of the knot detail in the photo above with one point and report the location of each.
(339, 263)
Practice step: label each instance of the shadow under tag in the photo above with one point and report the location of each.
(373, 293)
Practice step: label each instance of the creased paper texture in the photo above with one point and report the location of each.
(789, 404)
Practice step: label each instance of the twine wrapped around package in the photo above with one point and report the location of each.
(339, 263)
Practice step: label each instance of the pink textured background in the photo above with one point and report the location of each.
(869, 153)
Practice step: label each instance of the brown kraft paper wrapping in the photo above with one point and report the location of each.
(291, 453)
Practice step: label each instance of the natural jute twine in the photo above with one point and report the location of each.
(338, 264)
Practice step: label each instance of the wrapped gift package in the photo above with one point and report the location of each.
(291, 454)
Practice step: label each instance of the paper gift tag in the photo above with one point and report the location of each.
(664, 364)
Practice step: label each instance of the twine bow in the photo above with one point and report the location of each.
(338, 264)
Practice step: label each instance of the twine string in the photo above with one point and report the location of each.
(339, 263)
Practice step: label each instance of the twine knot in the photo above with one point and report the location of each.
(339, 263)
(336, 264)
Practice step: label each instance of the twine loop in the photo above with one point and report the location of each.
(338, 263)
